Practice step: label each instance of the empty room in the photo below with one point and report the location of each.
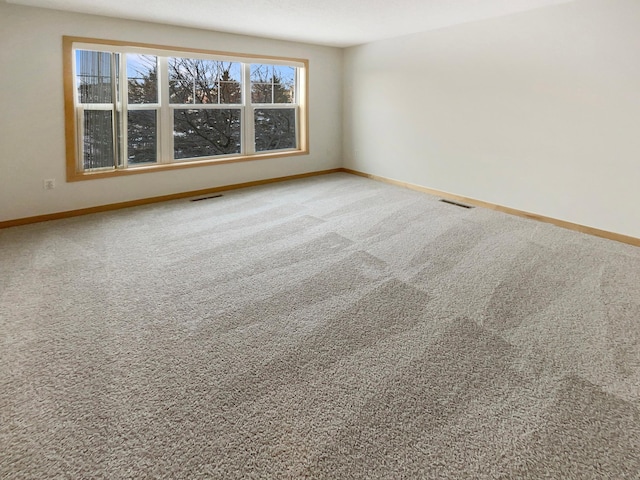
(324, 240)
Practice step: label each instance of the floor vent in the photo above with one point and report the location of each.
(205, 198)
(451, 202)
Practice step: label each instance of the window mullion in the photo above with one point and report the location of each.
(114, 110)
(248, 144)
(301, 102)
(124, 116)
(80, 137)
(165, 127)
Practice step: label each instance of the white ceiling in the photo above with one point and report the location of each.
(338, 23)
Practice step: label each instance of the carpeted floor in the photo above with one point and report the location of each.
(327, 328)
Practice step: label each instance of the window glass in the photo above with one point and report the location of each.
(97, 139)
(272, 83)
(275, 128)
(94, 76)
(196, 81)
(206, 132)
(142, 78)
(142, 136)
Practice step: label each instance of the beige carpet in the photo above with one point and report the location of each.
(326, 328)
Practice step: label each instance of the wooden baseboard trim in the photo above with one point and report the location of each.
(500, 208)
(450, 196)
(163, 198)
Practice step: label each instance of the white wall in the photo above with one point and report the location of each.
(32, 120)
(538, 111)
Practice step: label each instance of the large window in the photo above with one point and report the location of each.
(139, 108)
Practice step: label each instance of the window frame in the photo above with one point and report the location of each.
(247, 150)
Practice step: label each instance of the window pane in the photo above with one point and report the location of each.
(94, 76)
(230, 82)
(284, 83)
(261, 93)
(198, 81)
(98, 139)
(142, 137)
(275, 128)
(230, 93)
(205, 132)
(142, 78)
(261, 83)
(261, 73)
(272, 84)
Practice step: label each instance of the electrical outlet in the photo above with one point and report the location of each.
(50, 184)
